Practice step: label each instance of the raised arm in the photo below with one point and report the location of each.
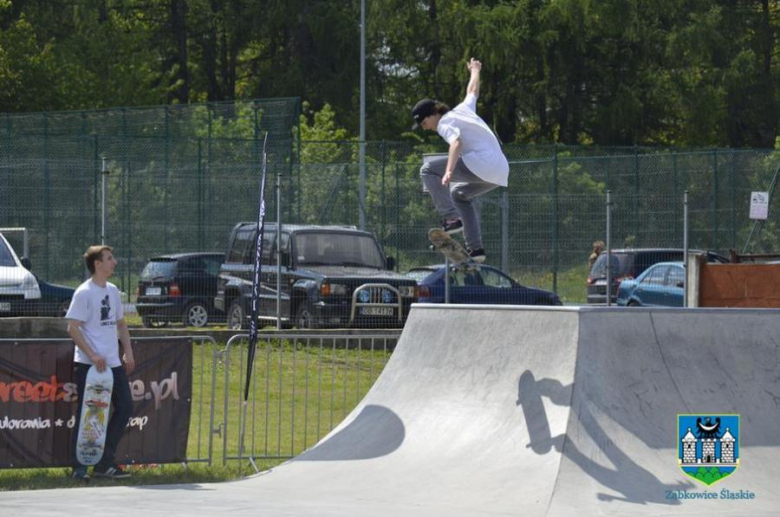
(474, 67)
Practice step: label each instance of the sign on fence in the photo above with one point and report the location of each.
(759, 205)
(38, 403)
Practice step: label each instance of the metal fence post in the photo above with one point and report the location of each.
(636, 193)
(278, 248)
(201, 218)
(609, 248)
(383, 233)
(714, 199)
(103, 200)
(505, 231)
(397, 212)
(95, 223)
(446, 279)
(362, 186)
(733, 181)
(124, 215)
(46, 193)
(675, 189)
(8, 153)
(685, 248)
(555, 222)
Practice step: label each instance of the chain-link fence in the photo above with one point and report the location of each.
(179, 179)
(541, 228)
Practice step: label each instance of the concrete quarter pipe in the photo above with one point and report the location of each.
(498, 411)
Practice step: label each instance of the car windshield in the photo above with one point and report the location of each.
(418, 275)
(6, 257)
(620, 262)
(158, 269)
(337, 249)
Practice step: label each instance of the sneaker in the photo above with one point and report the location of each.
(453, 226)
(113, 472)
(477, 255)
(80, 474)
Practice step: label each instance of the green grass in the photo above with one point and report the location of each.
(301, 392)
(571, 283)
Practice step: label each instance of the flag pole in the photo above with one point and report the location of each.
(255, 296)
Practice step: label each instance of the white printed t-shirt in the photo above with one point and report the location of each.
(99, 309)
(480, 149)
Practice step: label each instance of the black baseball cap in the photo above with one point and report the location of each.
(424, 108)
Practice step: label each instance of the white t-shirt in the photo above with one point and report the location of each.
(480, 149)
(99, 309)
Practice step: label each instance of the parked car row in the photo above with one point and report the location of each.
(23, 293)
(331, 276)
(628, 264)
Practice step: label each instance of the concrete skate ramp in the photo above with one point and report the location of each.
(494, 411)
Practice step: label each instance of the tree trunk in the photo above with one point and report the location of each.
(178, 13)
(213, 91)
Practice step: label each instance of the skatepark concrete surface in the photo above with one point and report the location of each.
(516, 411)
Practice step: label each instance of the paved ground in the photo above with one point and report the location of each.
(486, 411)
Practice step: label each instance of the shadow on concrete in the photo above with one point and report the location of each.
(376, 431)
(635, 483)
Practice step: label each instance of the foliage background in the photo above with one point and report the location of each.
(609, 72)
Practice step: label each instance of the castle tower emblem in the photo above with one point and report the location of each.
(708, 446)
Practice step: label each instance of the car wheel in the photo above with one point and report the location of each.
(304, 318)
(62, 310)
(153, 324)
(633, 303)
(236, 317)
(196, 315)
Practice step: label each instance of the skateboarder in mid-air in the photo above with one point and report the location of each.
(474, 164)
(96, 324)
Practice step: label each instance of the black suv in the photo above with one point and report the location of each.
(630, 263)
(331, 276)
(179, 288)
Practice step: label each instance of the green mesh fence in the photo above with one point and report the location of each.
(541, 228)
(181, 177)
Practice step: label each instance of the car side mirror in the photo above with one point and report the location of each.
(26, 264)
(680, 284)
(390, 263)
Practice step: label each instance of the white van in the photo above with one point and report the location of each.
(19, 290)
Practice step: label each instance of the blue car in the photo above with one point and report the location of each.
(661, 285)
(485, 285)
(55, 299)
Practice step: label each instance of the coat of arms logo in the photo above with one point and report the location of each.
(708, 446)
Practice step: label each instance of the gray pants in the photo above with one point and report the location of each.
(454, 200)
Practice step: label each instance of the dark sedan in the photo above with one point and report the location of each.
(484, 285)
(179, 288)
(55, 299)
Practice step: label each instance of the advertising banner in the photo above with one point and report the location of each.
(38, 403)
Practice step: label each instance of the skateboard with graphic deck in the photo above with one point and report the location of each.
(95, 405)
(450, 248)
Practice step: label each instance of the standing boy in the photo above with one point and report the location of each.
(96, 324)
(474, 164)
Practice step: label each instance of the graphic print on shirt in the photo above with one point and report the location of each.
(105, 309)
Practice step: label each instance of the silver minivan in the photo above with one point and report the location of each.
(19, 290)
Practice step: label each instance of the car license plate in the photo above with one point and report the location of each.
(600, 282)
(153, 291)
(5, 307)
(377, 311)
